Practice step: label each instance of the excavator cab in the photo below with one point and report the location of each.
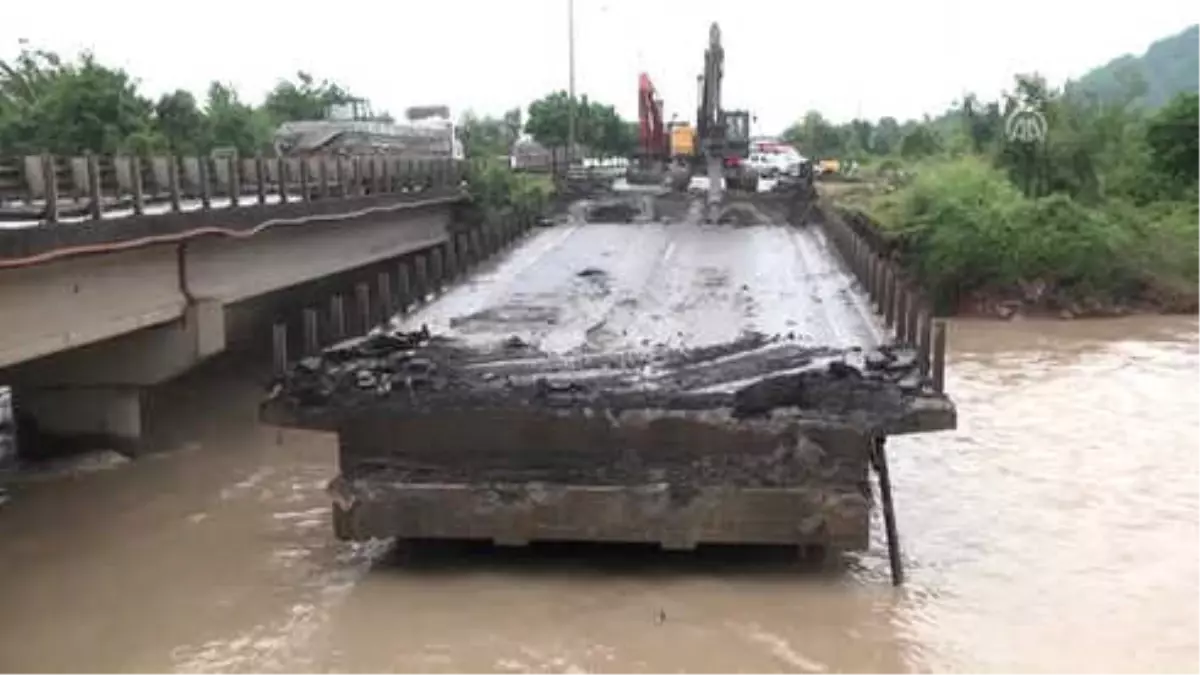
(739, 175)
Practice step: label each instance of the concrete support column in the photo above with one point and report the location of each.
(98, 416)
(96, 396)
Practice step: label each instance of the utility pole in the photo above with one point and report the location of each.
(571, 82)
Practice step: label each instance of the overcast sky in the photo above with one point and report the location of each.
(783, 57)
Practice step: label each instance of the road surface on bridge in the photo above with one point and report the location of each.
(616, 287)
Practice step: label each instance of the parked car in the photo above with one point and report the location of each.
(763, 164)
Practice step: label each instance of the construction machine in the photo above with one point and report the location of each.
(653, 151)
(724, 134)
(717, 147)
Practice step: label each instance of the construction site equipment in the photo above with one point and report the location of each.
(683, 141)
(653, 143)
(724, 134)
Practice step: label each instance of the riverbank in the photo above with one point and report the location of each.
(980, 248)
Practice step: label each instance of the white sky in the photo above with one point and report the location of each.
(783, 57)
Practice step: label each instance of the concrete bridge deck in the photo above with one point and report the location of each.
(100, 307)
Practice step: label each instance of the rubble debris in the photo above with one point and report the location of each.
(618, 211)
(757, 375)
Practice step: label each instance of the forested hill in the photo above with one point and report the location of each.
(1169, 66)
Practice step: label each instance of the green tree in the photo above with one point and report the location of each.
(181, 123)
(235, 124)
(513, 124)
(547, 120)
(304, 99)
(483, 137)
(597, 126)
(887, 136)
(1172, 135)
(815, 136)
(68, 108)
(919, 142)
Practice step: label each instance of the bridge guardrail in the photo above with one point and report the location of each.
(905, 310)
(48, 188)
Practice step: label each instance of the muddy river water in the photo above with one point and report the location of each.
(1055, 530)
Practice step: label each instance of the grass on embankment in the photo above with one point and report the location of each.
(975, 242)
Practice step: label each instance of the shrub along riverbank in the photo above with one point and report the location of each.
(979, 245)
(1097, 218)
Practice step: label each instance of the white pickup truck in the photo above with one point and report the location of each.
(774, 164)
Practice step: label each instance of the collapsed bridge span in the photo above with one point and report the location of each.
(655, 380)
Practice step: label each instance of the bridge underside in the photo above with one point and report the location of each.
(87, 339)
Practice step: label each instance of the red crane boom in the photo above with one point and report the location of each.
(652, 133)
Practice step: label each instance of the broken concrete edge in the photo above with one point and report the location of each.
(930, 413)
(392, 372)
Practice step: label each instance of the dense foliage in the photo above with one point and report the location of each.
(597, 126)
(496, 189)
(50, 104)
(1101, 211)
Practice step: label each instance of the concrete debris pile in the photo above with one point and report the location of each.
(756, 376)
(614, 211)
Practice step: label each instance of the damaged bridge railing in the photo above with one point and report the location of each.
(908, 314)
(416, 280)
(904, 309)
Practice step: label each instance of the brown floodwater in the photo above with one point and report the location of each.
(1055, 530)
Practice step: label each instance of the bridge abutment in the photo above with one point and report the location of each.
(96, 395)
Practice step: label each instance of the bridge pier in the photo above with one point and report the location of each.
(98, 394)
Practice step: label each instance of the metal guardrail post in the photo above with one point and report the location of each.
(312, 336)
(879, 459)
(95, 206)
(925, 348)
(279, 348)
(339, 171)
(337, 317)
(436, 269)
(260, 178)
(422, 283)
(235, 180)
(938, 371)
(173, 184)
(305, 181)
(282, 165)
(50, 187)
(323, 178)
(204, 176)
(386, 302)
(363, 314)
(135, 180)
(404, 287)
